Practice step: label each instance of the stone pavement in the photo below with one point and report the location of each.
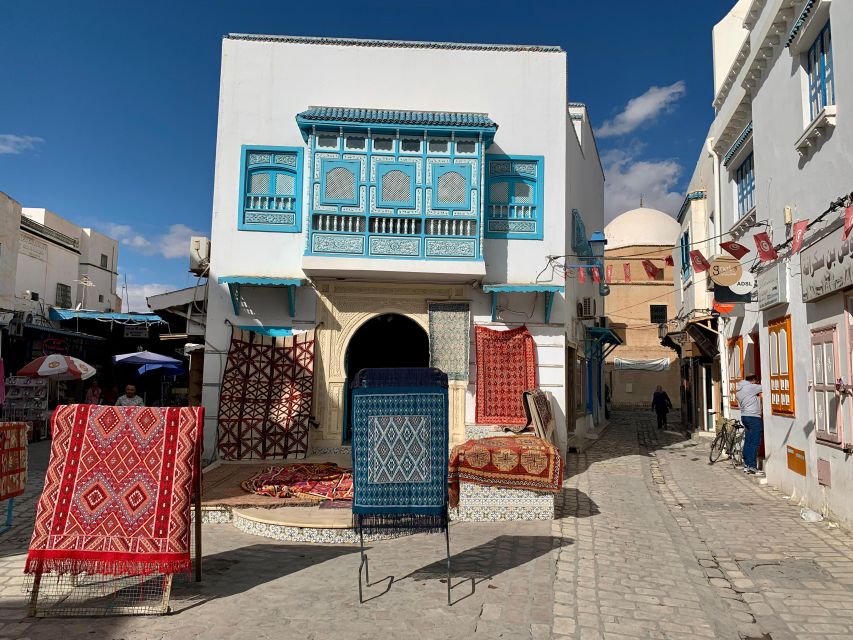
(652, 542)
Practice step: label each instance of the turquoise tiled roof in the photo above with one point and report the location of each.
(388, 116)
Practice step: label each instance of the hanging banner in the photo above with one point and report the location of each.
(651, 269)
(596, 277)
(608, 274)
(848, 221)
(698, 261)
(735, 248)
(626, 269)
(799, 233)
(581, 275)
(766, 252)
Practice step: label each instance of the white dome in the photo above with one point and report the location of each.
(642, 227)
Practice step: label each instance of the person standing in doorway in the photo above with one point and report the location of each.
(130, 399)
(748, 395)
(661, 404)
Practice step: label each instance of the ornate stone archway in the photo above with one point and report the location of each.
(342, 308)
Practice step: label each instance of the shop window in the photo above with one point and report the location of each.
(514, 197)
(824, 393)
(63, 296)
(745, 178)
(657, 314)
(821, 73)
(735, 368)
(781, 367)
(271, 190)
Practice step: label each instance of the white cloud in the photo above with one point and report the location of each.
(136, 293)
(629, 178)
(642, 109)
(173, 244)
(12, 144)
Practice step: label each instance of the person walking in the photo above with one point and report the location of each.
(748, 394)
(661, 404)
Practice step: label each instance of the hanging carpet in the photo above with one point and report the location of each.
(313, 483)
(13, 459)
(509, 462)
(116, 498)
(450, 338)
(266, 396)
(506, 368)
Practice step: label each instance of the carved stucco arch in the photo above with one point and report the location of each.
(346, 333)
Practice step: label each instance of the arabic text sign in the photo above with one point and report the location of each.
(827, 266)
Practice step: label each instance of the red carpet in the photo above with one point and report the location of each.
(506, 368)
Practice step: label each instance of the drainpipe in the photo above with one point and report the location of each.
(715, 249)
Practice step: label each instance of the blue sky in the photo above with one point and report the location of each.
(108, 110)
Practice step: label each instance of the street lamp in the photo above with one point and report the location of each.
(596, 243)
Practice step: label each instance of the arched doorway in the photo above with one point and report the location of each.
(389, 340)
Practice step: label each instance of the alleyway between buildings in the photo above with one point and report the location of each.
(652, 542)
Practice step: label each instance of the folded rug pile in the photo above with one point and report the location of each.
(509, 462)
(307, 482)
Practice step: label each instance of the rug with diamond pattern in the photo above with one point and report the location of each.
(266, 396)
(116, 498)
(509, 462)
(399, 450)
(506, 368)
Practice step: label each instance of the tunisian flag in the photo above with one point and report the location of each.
(669, 261)
(581, 275)
(799, 233)
(608, 274)
(735, 248)
(766, 252)
(651, 269)
(596, 276)
(698, 261)
(848, 221)
(626, 269)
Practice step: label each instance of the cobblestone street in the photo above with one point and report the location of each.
(652, 542)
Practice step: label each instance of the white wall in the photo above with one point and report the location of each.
(92, 246)
(10, 222)
(727, 37)
(265, 84)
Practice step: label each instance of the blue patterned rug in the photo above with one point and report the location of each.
(400, 452)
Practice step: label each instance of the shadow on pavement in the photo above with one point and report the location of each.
(575, 504)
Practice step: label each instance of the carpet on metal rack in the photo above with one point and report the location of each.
(117, 493)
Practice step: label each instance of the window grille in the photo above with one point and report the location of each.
(410, 146)
(821, 73)
(340, 184)
(499, 192)
(514, 206)
(396, 186)
(63, 296)
(452, 188)
(383, 144)
(466, 146)
(271, 199)
(657, 313)
(438, 146)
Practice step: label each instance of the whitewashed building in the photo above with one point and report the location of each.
(780, 153)
(359, 180)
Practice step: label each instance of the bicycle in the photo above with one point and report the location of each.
(730, 439)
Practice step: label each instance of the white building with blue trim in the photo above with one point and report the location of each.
(358, 181)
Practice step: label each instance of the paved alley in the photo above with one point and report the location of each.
(652, 542)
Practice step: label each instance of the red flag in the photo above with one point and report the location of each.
(651, 269)
(698, 261)
(669, 261)
(799, 233)
(848, 221)
(723, 307)
(766, 252)
(626, 269)
(596, 277)
(735, 248)
(581, 275)
(608, 274)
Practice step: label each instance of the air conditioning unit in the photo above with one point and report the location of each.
(586, 308)
(199, 254)
(31, 295)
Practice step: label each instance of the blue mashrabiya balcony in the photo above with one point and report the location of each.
(400, 190)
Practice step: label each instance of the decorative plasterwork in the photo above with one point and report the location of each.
(807, 26)
(767, 50)
(817, 129)
(734, 127)
(741, 139)
(734, 71)
(753, 13)
(804, 16)
(743, 225)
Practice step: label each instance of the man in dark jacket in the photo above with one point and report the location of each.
(661, 404)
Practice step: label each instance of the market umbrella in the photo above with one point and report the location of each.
(165, 368)
(145, 357)
(58, 367)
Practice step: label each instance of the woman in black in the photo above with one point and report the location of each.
(661, 404)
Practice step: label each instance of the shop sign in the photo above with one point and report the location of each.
(136, 331)
(741, 291)
(773, 286)
(54, 345)
(725, 270)
(826, 266)
(744, 285)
